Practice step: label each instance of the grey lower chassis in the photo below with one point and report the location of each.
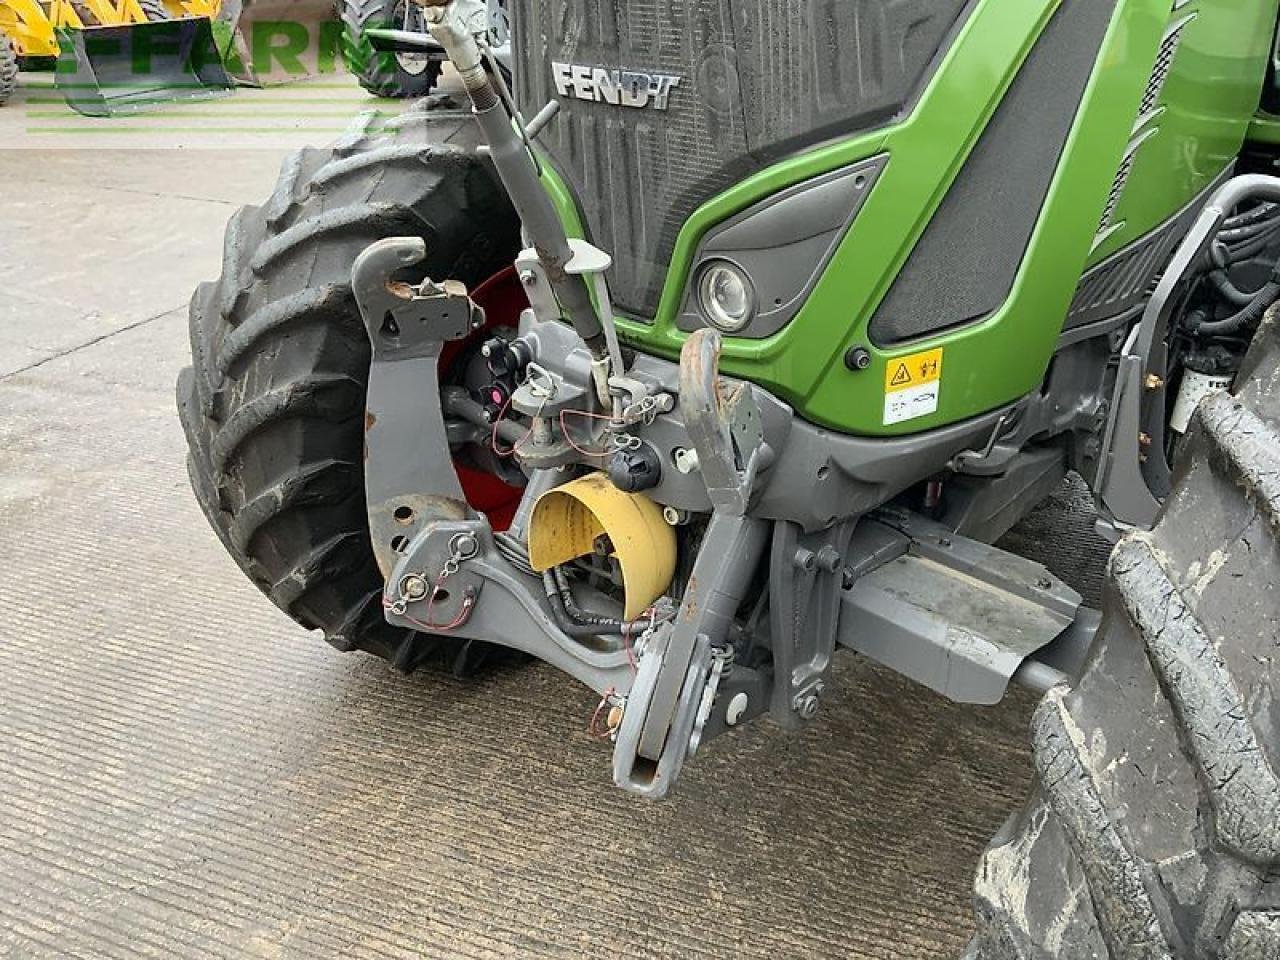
(785, 504)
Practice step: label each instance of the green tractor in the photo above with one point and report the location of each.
(737, 333)
(385, 45)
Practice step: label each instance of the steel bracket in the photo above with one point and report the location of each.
(723, 421)
(806, 576)
(407, 487)
(959, 616)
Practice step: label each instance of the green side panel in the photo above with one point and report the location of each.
(1265, 129)
(1219, 51)
(1003, 357)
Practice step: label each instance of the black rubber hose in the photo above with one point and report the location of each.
(1229, 291)
(1235, 235)
(1261, 212)
(1246, 317)
(578, 615)
(1251, 248)
(561, 617)
(593, 626)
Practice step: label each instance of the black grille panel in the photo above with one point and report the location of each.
(760, 79)
(963, 267)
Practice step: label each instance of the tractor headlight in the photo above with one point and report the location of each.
(726, 297)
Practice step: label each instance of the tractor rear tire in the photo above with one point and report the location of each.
(382, 74)
(273, 404)
(1154, 827)
(8, 69)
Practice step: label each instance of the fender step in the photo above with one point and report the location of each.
(959, 616)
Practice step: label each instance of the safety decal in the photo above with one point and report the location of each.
(911, 386)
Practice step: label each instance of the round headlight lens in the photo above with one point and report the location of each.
(724, 293)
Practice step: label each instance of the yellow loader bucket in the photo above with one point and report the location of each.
(114, 70)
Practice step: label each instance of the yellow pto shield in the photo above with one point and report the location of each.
(568, 520)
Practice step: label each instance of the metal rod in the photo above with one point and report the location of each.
(1038, 676)
(519, 174)
(542, 118)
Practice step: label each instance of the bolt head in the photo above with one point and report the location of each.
(413, 587)
(857, 358)
(528, 278)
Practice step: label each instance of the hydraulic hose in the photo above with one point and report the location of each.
(1262, 211)
(1251, 248)
(1235, 235)
(1223, 255)
(561, 601)
(1229, 291)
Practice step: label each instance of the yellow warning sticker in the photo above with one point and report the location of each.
(911, 386)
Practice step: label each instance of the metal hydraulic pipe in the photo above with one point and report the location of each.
(518, 173)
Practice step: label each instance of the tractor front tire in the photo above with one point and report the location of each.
(8, 69)
(383, 74)
(1154, 827)
(273, 404)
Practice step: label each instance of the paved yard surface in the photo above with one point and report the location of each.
(186, 773)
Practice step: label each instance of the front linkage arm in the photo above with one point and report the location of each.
(438, 555)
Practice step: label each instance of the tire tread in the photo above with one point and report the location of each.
(272, 405)
(1084, 819)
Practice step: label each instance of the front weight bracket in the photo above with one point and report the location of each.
(408, 485)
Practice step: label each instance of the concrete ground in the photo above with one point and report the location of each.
(184, 772)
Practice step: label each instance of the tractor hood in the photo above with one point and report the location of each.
(666, 104)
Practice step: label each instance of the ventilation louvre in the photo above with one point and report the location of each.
(1146, 109)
